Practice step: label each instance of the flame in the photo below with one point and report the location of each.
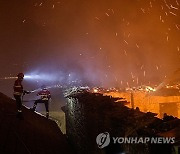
(147, 102)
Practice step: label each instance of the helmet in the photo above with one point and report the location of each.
(21, 75)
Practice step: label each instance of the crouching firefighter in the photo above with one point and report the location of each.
(45, 97)
(19, 93)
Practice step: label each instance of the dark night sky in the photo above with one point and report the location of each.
(107, 42)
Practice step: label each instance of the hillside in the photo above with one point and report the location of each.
(34, 134)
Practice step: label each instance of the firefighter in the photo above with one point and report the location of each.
(18, 93)
(45, 97)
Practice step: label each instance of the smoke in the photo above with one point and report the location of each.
(102, 43)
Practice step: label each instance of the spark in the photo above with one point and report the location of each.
(143, 10)
(150, 4)
(167, 5)
(144, 73)
(132, 75)
(24, 21)
(121, 82)
(112, 11)
(172, 13)
(126, 42)
(127, 84)
(177, 2)
(167, 38)
(53, 6)
(162, 7)
(178, 49)
(174, 7)
(137, 80)
(137, 45)
(97, 18)
(107, 14)
(40, 4)
(125, 52)
(177, 26)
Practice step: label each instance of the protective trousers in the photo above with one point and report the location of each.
(18, 102)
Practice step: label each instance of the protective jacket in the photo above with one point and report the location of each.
(18, 88)
(44, 94)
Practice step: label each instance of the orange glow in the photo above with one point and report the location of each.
(95, 90)
(148, 103)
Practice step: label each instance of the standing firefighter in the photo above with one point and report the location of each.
(45, 96)
(18, 93)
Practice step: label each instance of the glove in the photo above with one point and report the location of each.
(28, 92)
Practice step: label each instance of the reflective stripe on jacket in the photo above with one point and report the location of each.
(45, 94)
(18, 88)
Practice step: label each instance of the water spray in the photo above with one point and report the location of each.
(46, 77)
(48, 87)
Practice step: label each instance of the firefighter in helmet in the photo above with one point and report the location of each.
(18, 93)
(45, 97)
